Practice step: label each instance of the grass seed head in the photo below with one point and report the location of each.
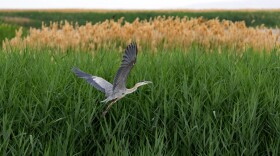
(165, 32)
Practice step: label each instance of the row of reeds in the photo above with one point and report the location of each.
(160, 32)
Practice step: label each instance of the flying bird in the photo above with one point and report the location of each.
(117, 90)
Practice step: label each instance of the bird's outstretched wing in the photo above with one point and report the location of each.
(97, 82)
(128, 61)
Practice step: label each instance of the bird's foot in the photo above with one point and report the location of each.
(109, 106)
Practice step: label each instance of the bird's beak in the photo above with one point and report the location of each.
(148, 82)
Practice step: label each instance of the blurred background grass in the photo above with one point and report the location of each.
(34, 18)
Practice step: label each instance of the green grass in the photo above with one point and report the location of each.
(199, 104)
(252, 18)
(9, 31)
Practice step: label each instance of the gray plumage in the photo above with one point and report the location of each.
(128, 61)
(97, 82)
(118, 90)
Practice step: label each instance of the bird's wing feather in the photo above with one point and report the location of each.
(128, 61)
(97, 82)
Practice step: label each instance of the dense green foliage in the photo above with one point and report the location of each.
(199, 104)
(252, 18)
(7, 31)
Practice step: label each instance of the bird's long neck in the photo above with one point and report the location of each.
(133, 89)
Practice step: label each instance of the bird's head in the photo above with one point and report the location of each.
(128, 91)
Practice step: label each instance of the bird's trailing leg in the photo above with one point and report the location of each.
(109, 106)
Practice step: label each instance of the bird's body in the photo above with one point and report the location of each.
(117, 90)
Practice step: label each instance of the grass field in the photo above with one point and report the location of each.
(200, 103)
(7, 31)
(215, 90)
(34, 18)
(159, 33)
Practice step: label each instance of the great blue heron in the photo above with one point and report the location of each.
(118, 90)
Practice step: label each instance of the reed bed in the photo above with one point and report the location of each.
(156, 34)
(199, 104)
(7, 31)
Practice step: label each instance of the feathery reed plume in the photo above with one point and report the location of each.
(160, 32)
